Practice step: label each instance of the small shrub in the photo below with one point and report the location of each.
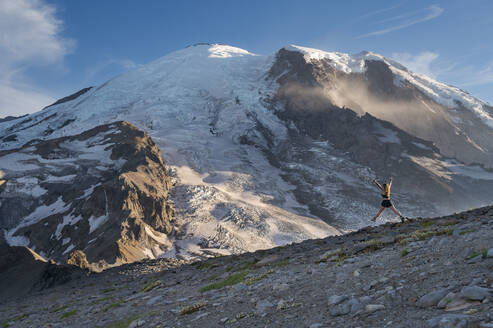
(404, 252)
(427, 223)
(192, 308)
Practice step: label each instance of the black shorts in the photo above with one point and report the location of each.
(386, 203)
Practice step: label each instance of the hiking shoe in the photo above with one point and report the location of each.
(403, 219)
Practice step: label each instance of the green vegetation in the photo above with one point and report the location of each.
(112, 306)
(5, 324)
(340, 257)
(123, 323)
(151, 286)
(463, 232)
(69, 314)
(328, 256)
(100, 300)
(374, 245)
(241, 315)
(108, 290)
(231, 280)
(63, 307)
(213, 277)
(483, 252)
(449, 223)
(427, 223)
(252, 280)
(192, 308)
(404, 252)
(282, 263)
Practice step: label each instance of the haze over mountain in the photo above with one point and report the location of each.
(257, 151)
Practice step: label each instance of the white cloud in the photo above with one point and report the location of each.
(419, 63)
(29, 36)
(412, 18)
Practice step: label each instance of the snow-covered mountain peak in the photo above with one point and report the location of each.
(442, 93)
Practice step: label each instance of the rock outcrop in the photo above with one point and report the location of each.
(102, 192)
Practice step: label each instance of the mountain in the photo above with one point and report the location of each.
(257, 151)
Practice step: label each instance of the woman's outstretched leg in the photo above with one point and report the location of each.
(397, 212)
(378, 214)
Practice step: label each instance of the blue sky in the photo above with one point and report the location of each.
(52, 48)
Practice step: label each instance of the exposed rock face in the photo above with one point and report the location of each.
(103, 192)
(357, 137)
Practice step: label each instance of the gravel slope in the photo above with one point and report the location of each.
(423, 273)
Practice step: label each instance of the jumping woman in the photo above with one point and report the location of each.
(386, 203)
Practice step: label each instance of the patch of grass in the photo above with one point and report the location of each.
(213, 277)
(374, 245)
(449, 223)
(328, 256)
(428, 223)
(108, 290)
(151, 286)
(20, 317)
(282, 263)
(112, 306)
(69, 314)
(252, 280)
(463, 232)
(404, 252)
(100, 300)
(246, 265)
(123, 323)
(5, 324)
(63, 307)
(240, 315)
(483, 252)
(340, 257)
(231, 280)
(204, 266)
(192, 308)
(422, 234)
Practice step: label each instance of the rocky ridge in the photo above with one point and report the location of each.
(422, 273)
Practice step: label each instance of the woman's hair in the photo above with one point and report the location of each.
(386, 189)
